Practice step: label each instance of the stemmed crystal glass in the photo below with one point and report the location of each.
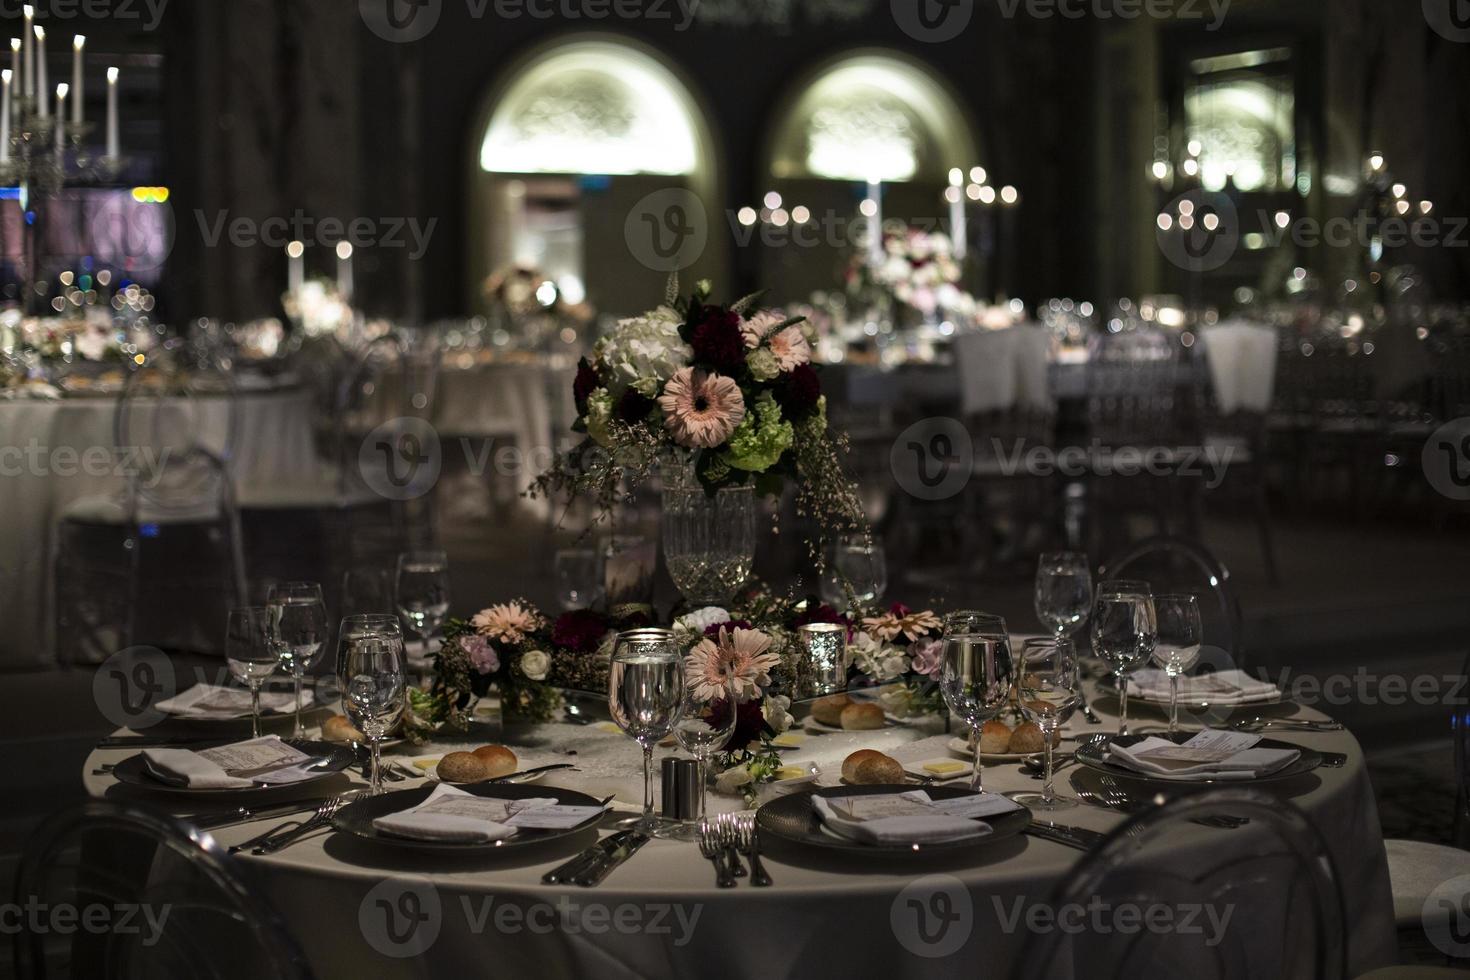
(1063, 593)
(704, 727)
(578, 577)
(1180, 635)
(249, 654)
(976, 676)
(374, 684)
(421, 591)
(858, 562)
(1049, 687)
(645, 694)
(298, 630)
(1124, 629)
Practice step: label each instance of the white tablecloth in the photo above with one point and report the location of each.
(821, 918)
(274, 439)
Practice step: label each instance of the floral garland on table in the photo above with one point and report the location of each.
(728, 391)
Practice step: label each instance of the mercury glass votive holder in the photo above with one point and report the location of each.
(823, 666)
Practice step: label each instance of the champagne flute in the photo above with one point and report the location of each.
(249, 654)
(1063, 592)
(1180, 635)
(704, 727)
(421, 591)
(298, 629)
(1123, 633)
(976, 676)
(645, 694)
(374, 688)
(1050, 689)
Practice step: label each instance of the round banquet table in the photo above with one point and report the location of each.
(274, 437)
(660, 914)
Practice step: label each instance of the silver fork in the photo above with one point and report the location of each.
(725, 828)
(712, 850)
(1117, 797)
(750, 846)
(316, 821)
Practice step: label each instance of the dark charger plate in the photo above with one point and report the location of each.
(133, 771)
(792, 818)
(357, 818)
(1093, 755)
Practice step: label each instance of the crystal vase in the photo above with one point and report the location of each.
(709, 539)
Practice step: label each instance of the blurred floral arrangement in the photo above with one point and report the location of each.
(523, 290)
(728, 391)
(919, 272)
(317, 309)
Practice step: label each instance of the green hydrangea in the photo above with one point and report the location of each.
(761, 438)
(763, 364)
(599, 417)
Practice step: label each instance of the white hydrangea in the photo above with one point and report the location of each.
(880, 661)
(691, 626)
(763, 364)
(644, 351)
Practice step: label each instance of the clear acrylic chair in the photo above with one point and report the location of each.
(1273, 877)
(192, 913)
(1173, 564)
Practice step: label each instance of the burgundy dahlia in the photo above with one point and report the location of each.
(797, 392)
(634, 406)
(580, 630)
(584, 385)
(716, 340)
(713, 630)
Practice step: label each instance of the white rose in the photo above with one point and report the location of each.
(536, 664)
(774, 711)
(731, 780)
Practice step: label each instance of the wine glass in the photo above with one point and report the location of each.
(1123, 633)
(421, 591)
(1050, 689)
(858, 563)
(1180, 634)
(1063, 592)
(249, 654)
(578, 577)
(704, 727)
(374, 687)
(976, 675)
(298, 629)
(645, 694)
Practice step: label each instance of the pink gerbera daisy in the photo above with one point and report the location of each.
(701, 410)
(739, 654)
(755, 329)
(791, 348)
(893, 624)
(508, 622)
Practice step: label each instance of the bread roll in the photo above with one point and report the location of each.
(499, 760)
(339, 729)
(995, 738)
(1027, 738)
(862, 716)
(462, 767)
(828, 710)
(870, 767)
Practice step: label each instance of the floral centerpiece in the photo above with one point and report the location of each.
(727, 391)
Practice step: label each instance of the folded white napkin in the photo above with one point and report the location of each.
(216, 701)
(908, 818)
(453, 816)
(208, 768)
(1225, 687)
(1247, 764)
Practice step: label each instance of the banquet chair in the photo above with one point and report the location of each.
(191, 911)
(1276, 879)
(1175, 565)
(174, 523)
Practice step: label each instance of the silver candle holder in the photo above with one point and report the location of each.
(822, 668)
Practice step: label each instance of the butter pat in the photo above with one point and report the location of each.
(945, 768)
(788, 740)
(790, 772)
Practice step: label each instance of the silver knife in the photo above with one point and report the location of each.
(585, 859)
(610, 860)
(215, 821)
(509, 777)
(1078, 837)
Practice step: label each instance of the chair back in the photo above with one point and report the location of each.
(1167, 896)
(1172, 564)
(1134, 385)
(193, 913)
